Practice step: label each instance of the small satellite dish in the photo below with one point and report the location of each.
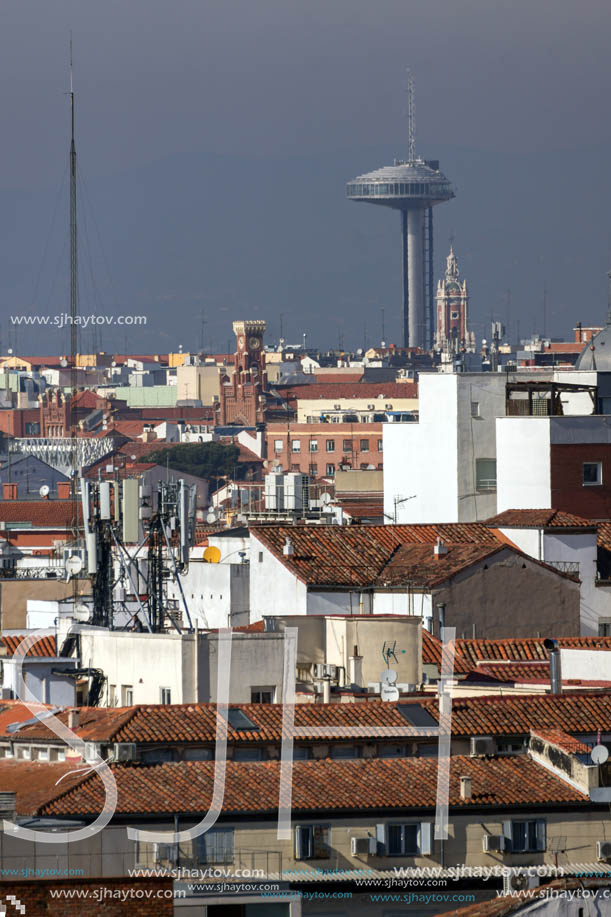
(599, 754)
(389, 693)
(81, 613)
(388, 677)
(74, 564)
(44, 490)
(63, 363)
(211, 517)
(212, 555)
(325, 498)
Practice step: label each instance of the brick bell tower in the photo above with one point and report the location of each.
(452, 333)
(242, 399)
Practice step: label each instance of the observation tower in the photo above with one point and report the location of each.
(412, 187)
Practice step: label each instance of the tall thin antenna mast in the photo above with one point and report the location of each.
(73, 240)
(411, 116)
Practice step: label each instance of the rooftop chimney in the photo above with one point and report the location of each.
(63, 490)
(10, 491)
(440, 548)
(466, 790)
(74, 718)
(554, 665)
(289, 548)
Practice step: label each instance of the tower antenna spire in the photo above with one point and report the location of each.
(411, 116)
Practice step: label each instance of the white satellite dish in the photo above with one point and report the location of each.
(44, 490)
(74, 564)
(81, 613)
(388, 677)
(63, 363)
(599, 754)
(211, 517)
(389, 693)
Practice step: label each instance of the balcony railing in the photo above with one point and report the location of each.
(565, 566)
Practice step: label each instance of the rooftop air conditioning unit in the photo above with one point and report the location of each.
(363, 846)
(603, 850)
(124, 751)
(482, 745)
(371, 407)
(330, 670)
(388, 407)
(493, 843)
(319, 670)
(519, 882)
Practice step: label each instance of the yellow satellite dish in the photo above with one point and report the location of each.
(212, 554)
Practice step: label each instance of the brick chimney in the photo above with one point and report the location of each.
(63, 490)
(10, 491)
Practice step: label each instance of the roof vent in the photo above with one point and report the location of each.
(440, 548)
(466, 790)
(289, 548)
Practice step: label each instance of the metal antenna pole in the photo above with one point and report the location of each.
(411, 116)
(73, 245)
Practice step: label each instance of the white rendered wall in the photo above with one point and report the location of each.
(274, 590)
(421, 459)
(481, 399)
(523, 463)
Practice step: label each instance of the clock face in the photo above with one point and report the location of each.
(254, 343)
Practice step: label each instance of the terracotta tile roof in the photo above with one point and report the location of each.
(523, 649)
(512, 672)
(327, 554)
(35, 782)
(348, 390)
(604, 535)
(510, 904)
(318, 786)
(539, 518)
(577, 712)
(45, 647)
(431, 654)
(12, 711)
(362, 509)
(563, 740)
(53, 514)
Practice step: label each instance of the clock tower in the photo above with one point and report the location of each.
(241, 396)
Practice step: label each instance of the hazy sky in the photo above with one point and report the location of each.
(215, 140)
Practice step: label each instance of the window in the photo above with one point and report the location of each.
(43, 754)
(592, 473)
(262, 695)
(157, 755)
(330, 445)
(526, 836)
(127, 695)
(393, 751)
(475, 409)
(295, 468)
(313, 445)
(247, 754)
(347, 445)
(198, 754)
(485, 475)
(380, 445)
(260, 557)
(165, 696)
(330, 471)
(364, 445)
(302, 753)
(215, 847)
(278, 445)
(403, 840)
(295, 445)
(112, 695)
(237, 719)
(604, 627)
(345, 751)
(311, 842)
(313, 469)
